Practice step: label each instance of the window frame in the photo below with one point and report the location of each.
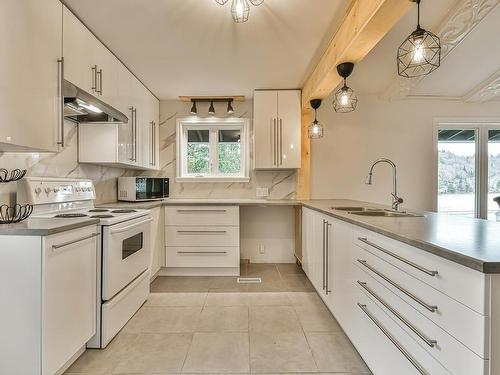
(213, 125)
(481, 127)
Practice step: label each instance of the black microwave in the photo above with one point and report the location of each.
(136, 189)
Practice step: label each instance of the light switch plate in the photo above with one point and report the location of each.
(262, 192)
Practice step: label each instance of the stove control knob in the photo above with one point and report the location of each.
(56, 190)
(77, 189)
(38, 190)
(48, 190)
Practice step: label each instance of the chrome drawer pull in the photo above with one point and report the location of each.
(390, 253)
(55, 247)
(199, 211)
(202, 252)
(202, 231)
(427, 340)
(396, 343)
(431, 308)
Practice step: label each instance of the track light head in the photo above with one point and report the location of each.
(230, 109)
(194, 110)
(211, 109)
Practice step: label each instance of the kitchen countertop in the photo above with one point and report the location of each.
(44, 226)
(473, 243)
(203, 201)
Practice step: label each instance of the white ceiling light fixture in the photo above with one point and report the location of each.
(240, 10)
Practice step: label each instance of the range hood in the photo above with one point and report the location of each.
(81, 107)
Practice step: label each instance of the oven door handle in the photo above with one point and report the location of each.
(124, 229)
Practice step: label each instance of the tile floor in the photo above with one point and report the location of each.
(209, 325)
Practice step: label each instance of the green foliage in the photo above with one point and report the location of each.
(198, 160)
(229, 158)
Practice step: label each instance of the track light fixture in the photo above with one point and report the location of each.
(420, 53)
(315, 129)
(194, 110)
(345, 100)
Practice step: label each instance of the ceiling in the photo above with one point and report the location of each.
(192, 47)
(465, 68)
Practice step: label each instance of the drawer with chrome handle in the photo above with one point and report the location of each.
(202, 256)
(392, 339)
(445, 348)
(441, 310)
(455, 280)
(71, 242)
(202, 236)
(431, 308)
(202, 216)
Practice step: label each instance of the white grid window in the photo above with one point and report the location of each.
(212, 149)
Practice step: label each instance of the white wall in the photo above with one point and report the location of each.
(271, 226)
(399, 130)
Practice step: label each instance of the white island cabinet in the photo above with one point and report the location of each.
(30, 74)
(405, 310)
(48, 289)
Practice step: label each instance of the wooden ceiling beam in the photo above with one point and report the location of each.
(364, 25)
(366, 22)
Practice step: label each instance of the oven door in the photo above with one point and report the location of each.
(125, 254)
(149, 188)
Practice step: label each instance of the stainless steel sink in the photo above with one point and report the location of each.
(383, 213)
(354, 208)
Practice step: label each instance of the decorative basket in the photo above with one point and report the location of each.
(13, 175)
(14, 214)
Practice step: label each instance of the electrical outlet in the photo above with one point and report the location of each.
(262, 249)
(262, 192)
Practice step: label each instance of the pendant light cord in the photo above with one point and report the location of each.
(418, 14)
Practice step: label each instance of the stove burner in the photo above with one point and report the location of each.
(122, 211)
(105, 216)
(99, 210)
(70, 215)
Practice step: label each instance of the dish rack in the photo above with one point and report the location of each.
(17, 212)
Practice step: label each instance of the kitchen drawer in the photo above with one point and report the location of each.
(202, 215)
(372, 336)
(444, 311)
(202, 236)
(461, 283)
(451, 353)
(203, 256)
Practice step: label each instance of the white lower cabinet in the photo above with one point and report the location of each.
(48, 285)
(202, 240)
(402, 317)
(157, 241)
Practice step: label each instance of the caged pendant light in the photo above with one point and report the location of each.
(345, 99)
(240, 9)
(420, 53)
(315, 129)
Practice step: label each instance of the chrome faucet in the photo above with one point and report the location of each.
(396, 200)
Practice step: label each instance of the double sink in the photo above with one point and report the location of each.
(379, 212)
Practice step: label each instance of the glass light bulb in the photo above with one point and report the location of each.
(344, 99)
(418, 52)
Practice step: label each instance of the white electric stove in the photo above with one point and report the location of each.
(124, 246)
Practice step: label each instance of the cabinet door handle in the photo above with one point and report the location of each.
(431, 308)
(390, 253)
(131, 133)
(323, 258)
(327, 257)
(396, 343)
(274, 142)
(64, 244)
(154, 142)
(281, 142)
(202, 252)
(94, 78)
(195, 211)
(99, 89)
(202, 231)
(135, 134)
(151, 151)
(420, 334)
(60, 82)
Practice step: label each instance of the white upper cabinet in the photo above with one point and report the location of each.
(30, 46)
(88, 64)
(277, 123)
